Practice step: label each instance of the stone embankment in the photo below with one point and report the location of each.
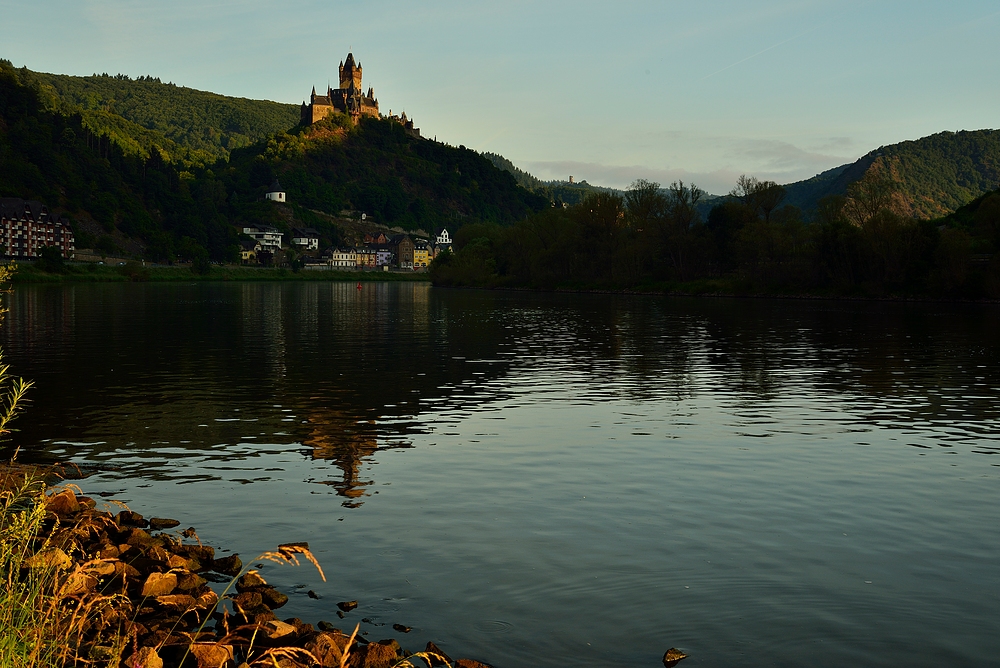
(144, 588)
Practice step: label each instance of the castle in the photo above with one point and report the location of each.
(348, 99)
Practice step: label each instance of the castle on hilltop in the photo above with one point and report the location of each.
(348, 99)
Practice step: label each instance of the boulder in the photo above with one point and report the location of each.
(672, 657)
(145, 657)
(62, 504)
(230, 565)
(127, 518)
(250, 581)
(49, 559)
(159, 584)
(248, 600)
(273, 598)
(189, 581)
(160, 523)
(276, 629)
(469, 663)
(434, 651)
(374, 655)
(347, 606)
(210, 655)
(176, 602)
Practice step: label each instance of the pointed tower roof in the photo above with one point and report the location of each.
(350, 61)
(276, 187)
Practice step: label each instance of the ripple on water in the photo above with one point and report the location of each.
(493, 626)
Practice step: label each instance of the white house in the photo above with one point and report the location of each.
(269, 237)
(444, 238)
(275, 193)
(305, 239)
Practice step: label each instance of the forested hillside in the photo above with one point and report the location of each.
(936, 174)
(557, 192)
(207, 124)
(128, 193)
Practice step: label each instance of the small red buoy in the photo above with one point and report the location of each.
(359, 285)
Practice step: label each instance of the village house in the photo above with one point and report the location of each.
(421, 254)
(306, 239)
(383, 257)
(268, 237)
(248, 251)
(26, 226)
(342, 258)
(402, 247)
(366, 257)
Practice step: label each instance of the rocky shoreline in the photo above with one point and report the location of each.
(144, 587)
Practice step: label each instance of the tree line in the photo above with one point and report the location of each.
(654, 238)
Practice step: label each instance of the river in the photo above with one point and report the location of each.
(553, 479)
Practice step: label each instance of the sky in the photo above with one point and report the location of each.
(697, 90)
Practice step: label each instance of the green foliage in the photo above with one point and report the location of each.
(50, 259)
(654, 239)
(936, 174)
(204, 126)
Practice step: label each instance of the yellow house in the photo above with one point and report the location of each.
(421, 255)
(248, 251)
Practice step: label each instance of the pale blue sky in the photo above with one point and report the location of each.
(701, 90)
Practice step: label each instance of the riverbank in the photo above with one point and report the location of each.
(87, 584)
(136, 272)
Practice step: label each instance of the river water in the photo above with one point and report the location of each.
(548, 479)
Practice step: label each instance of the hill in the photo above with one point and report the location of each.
(205, 124)
(936, 174)
(554, 191)
(132, 189)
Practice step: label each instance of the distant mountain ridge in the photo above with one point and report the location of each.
(937, 174)
(555, 191)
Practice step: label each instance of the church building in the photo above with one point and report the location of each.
(350, 98)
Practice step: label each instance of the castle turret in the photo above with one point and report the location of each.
(350, 74)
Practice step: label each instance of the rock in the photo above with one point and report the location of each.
(673, 657)
(228, 565)
(86, 502)
(125, 570)
(177, 561)
(102, 568)
(160, 523)
(469, 663)
(202, 553)
(189, 582)
(210, 655)
(401, 628)
(49, 559)
(159, 584)
(250, 581)
(108, 552)
(328, 648)
(393, 643)
(127, 518)
(207, 601)
(157, 553)
(276, 629)
(78, 583)
(139, 538)
(248, 600)
(177, 602)
(327, 626)
(63, 503)
(145, 657)
(312, 594)
(285, 546)
(374, 655)
(273, 598)
(433, 649)
(347, 606)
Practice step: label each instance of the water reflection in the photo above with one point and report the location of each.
(344, 372)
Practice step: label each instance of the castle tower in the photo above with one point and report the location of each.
(350, 74)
